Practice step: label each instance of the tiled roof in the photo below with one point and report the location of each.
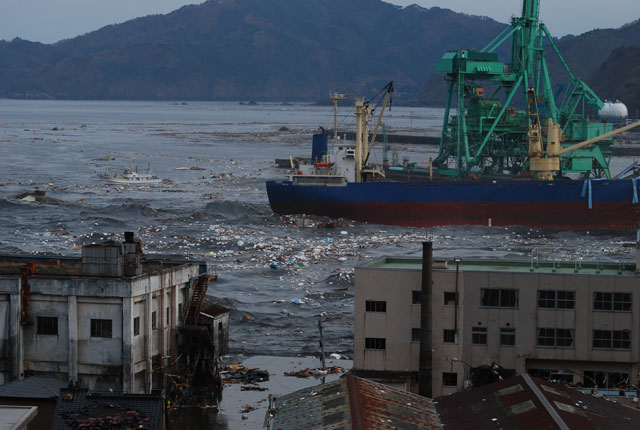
(524, 402)
(352, 403)
(33, 387)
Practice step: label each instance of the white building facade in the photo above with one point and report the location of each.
(104, 330)
(577, 323)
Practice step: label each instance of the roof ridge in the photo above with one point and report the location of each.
(47, 388)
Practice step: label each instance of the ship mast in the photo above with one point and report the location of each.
(334, 99)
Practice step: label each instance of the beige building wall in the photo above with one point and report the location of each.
(393, 283)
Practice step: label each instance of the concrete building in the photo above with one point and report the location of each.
(105, 320)
(579, 323)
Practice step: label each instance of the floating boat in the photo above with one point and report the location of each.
(130, 177)
(499, 164)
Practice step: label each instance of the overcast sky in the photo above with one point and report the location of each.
(52, 20)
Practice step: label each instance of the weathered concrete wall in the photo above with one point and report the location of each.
(99, 351)
(44, 352)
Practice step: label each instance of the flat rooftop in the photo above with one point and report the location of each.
(519, 266)
(71, 266)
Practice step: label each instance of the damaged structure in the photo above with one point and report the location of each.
(568, 321)
(108, 320)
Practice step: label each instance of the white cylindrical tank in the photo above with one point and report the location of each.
(611, 110)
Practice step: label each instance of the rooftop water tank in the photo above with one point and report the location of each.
(613, 110)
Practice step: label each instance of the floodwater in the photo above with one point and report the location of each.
(276, 276)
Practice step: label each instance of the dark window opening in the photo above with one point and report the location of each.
(153, 320)
(551, 299)
(449, 379)
(101, 328)
(507, 336)
(136, 326)
(479, 336)
(555, 338)
(48, 325)
(375, 306)
(608, 339)
(450, 298)
(375, 343)
(416, 297)
(502, 298)
(450, 336)
(416, 334)
(606, 379)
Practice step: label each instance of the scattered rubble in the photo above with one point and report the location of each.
(305, 373)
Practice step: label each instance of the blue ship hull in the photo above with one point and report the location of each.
(571, 204)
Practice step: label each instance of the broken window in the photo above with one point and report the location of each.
(450, 298)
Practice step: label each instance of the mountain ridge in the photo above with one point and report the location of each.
(275, 50)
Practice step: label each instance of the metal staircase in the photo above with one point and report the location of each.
(197, 300)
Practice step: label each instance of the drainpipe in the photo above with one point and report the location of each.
(638, 251)
(426, 356)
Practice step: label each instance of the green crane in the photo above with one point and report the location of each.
(498, 103)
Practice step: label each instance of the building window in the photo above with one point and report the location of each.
(101, 328)
(375, 306)
(546, 299)
(501, 298)
(180, 310)
(551, 299)
(566, 300)
(450, 298)
(479, 336)
(48, 325)
(507, 336)
(620, 302)
(153, 320)
(416, 334)
(450, 336)
(416, 297)
(449, 379)
(375, 343)
(608, 339)
(136, 326)
(168, 315)
(555, 338)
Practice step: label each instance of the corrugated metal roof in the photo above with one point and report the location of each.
(33, 387)
(524, 402)
(352, 403)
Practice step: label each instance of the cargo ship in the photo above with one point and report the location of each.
(541, 164)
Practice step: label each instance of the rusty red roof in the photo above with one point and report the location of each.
(352, 403)
(524, 402)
